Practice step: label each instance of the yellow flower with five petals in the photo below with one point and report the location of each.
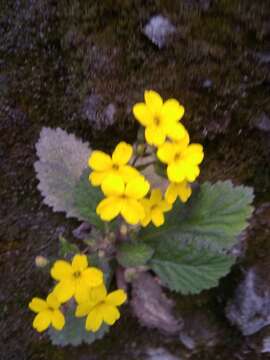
(160, 119)
(123, 199)
(182, 190)
(75, 278)
(48, 313)
(154, 208)
(100, 307)
(182, 159)
(104, 165)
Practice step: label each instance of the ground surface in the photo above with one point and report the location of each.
(53, 56)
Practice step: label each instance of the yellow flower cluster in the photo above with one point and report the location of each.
(164, 130)
(86, 285)
(125, 188)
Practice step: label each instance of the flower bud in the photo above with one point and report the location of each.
(123, 230)
(140, 150)
(41, 261)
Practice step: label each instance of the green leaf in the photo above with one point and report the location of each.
(134, 254)
(67, 248)
(62, 158)
(74, 332)
(86, 199)
(189, 270)
(213, 218)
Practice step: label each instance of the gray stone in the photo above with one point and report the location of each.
(249, 310)
(266, 345)
(262, 122)
(98, 114)
(160, 354)
(159, 29)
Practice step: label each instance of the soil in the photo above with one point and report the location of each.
(53, 55)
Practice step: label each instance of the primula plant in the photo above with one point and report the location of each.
(148, 215)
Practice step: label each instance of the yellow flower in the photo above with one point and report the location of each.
(48, 313)
(104, 165)
(154, 208)
(182, 190)
(101, 307)
(160, 119)
(182, 159)
(75, 278)
(123, 199)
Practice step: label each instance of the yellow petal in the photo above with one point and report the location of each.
(117, 297)
(64, 290)
(176, 131)
(58, 320)
(79, 263)
(153, 101)
(82, 291)
(52, 301)
(113, 185)
(98, 293)
(164, 206)
(166, 153)
(42, 320)
(92, 276)
(155, 135)
(172, 110)
(171, 193)
(110, 313)
(128, 173)
(192, 172)
(109, 208)
(146, 220)
(100, 161)
(194, 154)
(83, 309)
(142, 114)
(38, 305)
(137, 188)
(184, 191)
(122, 153)
(97, 177)
(156, 196)
(176, 172)
(94, 320)
(132, 211)
(157, 217)
(60, 270)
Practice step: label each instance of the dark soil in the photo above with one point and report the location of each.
(53, 54)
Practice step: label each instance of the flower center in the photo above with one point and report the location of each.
(177, 156)
(77, 274)
(156, 120)
(115, 167)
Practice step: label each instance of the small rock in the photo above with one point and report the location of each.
(266, 345)
(250, 308)
(160, 354)
(262, 122)
(207, 84)
(99, 114)
(152, 307)
(263, 57)
(158, 30)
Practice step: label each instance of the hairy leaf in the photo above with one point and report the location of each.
(62, 158)
(189, 270)
(134, 254)
(86, 198)
(74, 332)
(213, 218)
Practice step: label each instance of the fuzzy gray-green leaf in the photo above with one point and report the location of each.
(74, 332)
(134, 254)
(86, 198)
(213, 218)
(189, 270)
(62, 158)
